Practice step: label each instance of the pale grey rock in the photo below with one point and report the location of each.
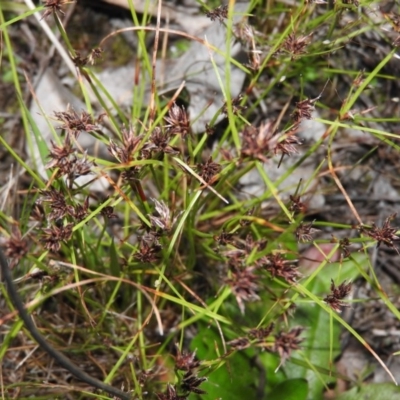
(196, 69)
(51, 96)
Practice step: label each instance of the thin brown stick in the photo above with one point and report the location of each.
(340, 186)
(153, 67)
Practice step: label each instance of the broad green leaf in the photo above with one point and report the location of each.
(292, 389)
(321, 344)
(379, 391)
(236, 379)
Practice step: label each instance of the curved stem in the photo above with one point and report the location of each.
(42, 342)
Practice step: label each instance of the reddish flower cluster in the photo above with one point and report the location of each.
(53, 236)
(296, 45)
(282, 343)
(65, 157)
(16, 247)
(134, 147)
(244, 280)
(334, 300)
(178, 121)
(59, 206)
(386, 234)
(244, 284)
(53, 7)
(190, 381)
(263, 142)
(303, 110)
(209, 170)
(74, 123)
(149, 248)
(220, 13)
(305, 232)
(285, 343)
(278, 266)
(94, 55)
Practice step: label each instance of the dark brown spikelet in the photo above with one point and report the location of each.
(170, 394)
(288, 142)
(53, 236)
(125, 152)
(79, 60)
(108, 212)
(95, 54)
(237, 108)
(74, 123)
(305, 232)
(185, 361)
(296, 205)
(386, 234)
(303, 110)
(178, 122)
(278, 266)
(81, 211)
(149, 248)
(224, 238)
(191, 382)
(258, 143)
(59, 154)
(53, 6)
(244, 285)
(209, 170)
(260, 334)
(344, 245)
(158, 143)
(81, 166)
(220, 13)
(296, 46)
(16, 247)
(57, 203)
(334, 300)
(240, 343)
(285, 343)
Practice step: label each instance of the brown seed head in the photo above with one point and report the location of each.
(220, 13)
(244, 285)
(53, 6)
(178, 122)
(257, 143)
(337, 294)
(209, 170)
(296, 45)
(53, 236)
(285, 343)
(278, 266)
(185, 361)
(16, 247)
(305, 232)
(385, 234)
